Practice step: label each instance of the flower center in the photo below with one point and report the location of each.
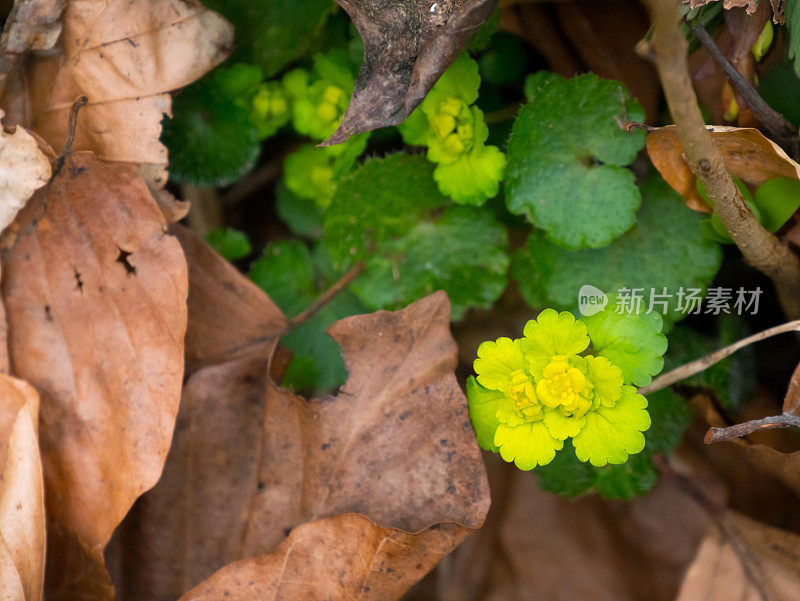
(563, 386)
(523, 393)
(453, 124)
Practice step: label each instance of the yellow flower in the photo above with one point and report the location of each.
(537, 391)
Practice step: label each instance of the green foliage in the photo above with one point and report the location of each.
(273, 33)
(566, 159)
(791, 12)
(390, 214)
(230, 243)
(569, 477)
(504, 64)
(286, 271)
(210, 139)
(312, 173)
(780, 87)
(632, 342)
(302, 216)
(732, 380)
(665, 249)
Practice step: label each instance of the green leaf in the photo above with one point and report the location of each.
(210, 138)
(733, 379)
(665, 249)
(780, 87)
(230, 243)
(382, 199)
(633, 478)
(389, 214)
(566, 475)
(286, 272)
(303, 216)
(631, 341)
(463, 252)
(313, 173)
(777, 200)
(273, 33)
(791, 12)
(483, 412)
(671, 417)
(566, 156)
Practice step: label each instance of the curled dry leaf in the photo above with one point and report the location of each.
(228, 314)
(22, 521)
(750, 5)
(251, 461)
(95, 295)
(23, 170)
(338, 558)
(125, 56)
(751, 561)
(408, 44)
(747, 153)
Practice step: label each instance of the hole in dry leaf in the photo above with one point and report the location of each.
(47, 313)
(78, 280)
(123, 259)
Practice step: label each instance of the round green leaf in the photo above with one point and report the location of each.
(566, 156)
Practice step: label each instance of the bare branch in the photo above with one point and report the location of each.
(785, 420)
(760, 248)
(695, 367)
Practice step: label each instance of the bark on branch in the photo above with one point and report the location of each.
(760, 249)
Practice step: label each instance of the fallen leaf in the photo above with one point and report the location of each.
(590, 549)
(125, 56)
(95, 295)
(408, 44)
(24, 169)
(750, 5)
(747, 153)
(251, 461)
(32, 25)
(791, 402)
(337, 559)
(228, 314)
(22, 521)
(751, 562)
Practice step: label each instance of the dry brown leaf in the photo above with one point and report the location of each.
(751, 562)
(22, 521)
(588, 549)
(228, 314)
(24, 169)
(32, 25)
(337, 559)
(125, 56)
(395, 444)
(750, 5)
(747, 153)
(95, 294)
(408, 44)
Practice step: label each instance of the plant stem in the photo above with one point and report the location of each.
(695, 367)
(760, 249)
(785, 420)
(328, 295)
(775, 123)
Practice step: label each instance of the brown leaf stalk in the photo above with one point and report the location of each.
(760, 249)
(328, 295)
